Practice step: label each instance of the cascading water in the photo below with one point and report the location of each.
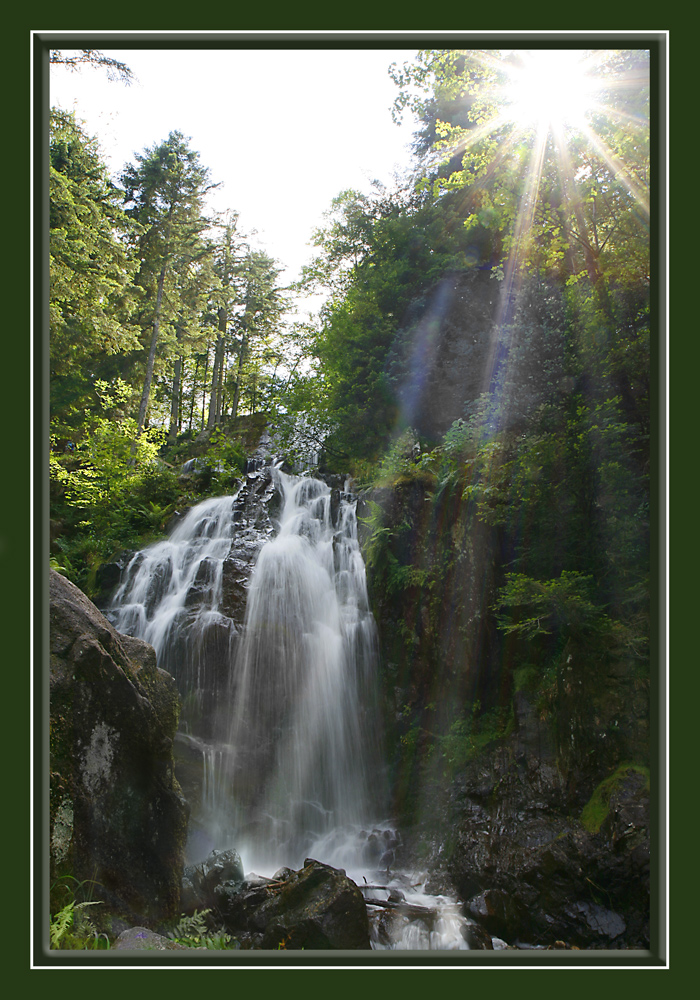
(304, 733)
(282, 704)
(170, 597)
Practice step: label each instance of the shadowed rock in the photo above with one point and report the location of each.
(118, 818)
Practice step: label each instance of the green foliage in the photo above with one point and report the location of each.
(442, 755)
(225, 455)
(70, 928)
(387, 568)
(109, 492)
(381, 255)
(194, 932)
(526, 678)
(482, 156)
(530, 607)
(91, 266)
(469, 736)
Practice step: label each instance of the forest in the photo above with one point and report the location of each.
(479, 378)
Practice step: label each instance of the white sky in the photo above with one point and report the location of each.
(284, 130)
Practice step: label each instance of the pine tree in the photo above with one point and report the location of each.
(164, 193)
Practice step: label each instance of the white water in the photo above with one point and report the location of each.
(171, 592)
(297, 771)
(306, 755)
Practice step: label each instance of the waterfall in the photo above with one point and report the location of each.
(304, 730)
(287, 691)
(171, 595)
(261, 614)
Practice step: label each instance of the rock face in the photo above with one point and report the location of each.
(497, 761)
(529, 871)
(317, 907)
(118, 818)
(450, 341)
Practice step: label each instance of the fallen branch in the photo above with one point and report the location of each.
(410, 909)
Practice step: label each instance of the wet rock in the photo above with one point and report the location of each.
(118, 817)
(282, 873)
(604, 923)
(494, 909)
(200, 882)
(477, 937)
(317, 907)
(107, 579)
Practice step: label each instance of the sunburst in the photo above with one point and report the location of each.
(551, 90)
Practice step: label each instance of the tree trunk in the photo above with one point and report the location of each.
(194, 392)
(204, 386)
(237, 390)
(215, 377)
(217, 380)
(177, 390)
(145, 395)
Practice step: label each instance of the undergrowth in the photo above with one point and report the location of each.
(194, 932)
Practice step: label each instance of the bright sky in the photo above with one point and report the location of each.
(284, 130)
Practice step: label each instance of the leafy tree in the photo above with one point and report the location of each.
(92, 57)
(576, 203)
(194, 286)
(91, 297)
(380, 257)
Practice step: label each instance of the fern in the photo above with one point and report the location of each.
(193, 932)
(62, 921)
(192, 926)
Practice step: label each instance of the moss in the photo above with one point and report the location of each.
(411, 476)
(526, 678)
(597, 808)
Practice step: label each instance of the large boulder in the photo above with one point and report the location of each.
(317, 907)
(118, 817)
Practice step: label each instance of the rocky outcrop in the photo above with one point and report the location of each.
(118, 818)
(317, 907)
(200, 881)
(528, 870)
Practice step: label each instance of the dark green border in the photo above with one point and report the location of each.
(17, 548)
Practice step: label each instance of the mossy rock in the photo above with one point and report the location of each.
(596, 810)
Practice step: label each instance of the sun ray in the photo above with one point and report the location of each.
(618, 169)
(449, 149)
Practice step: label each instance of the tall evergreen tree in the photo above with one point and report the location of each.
(256, 325)
(164, 193)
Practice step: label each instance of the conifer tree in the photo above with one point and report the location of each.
(164, 192)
